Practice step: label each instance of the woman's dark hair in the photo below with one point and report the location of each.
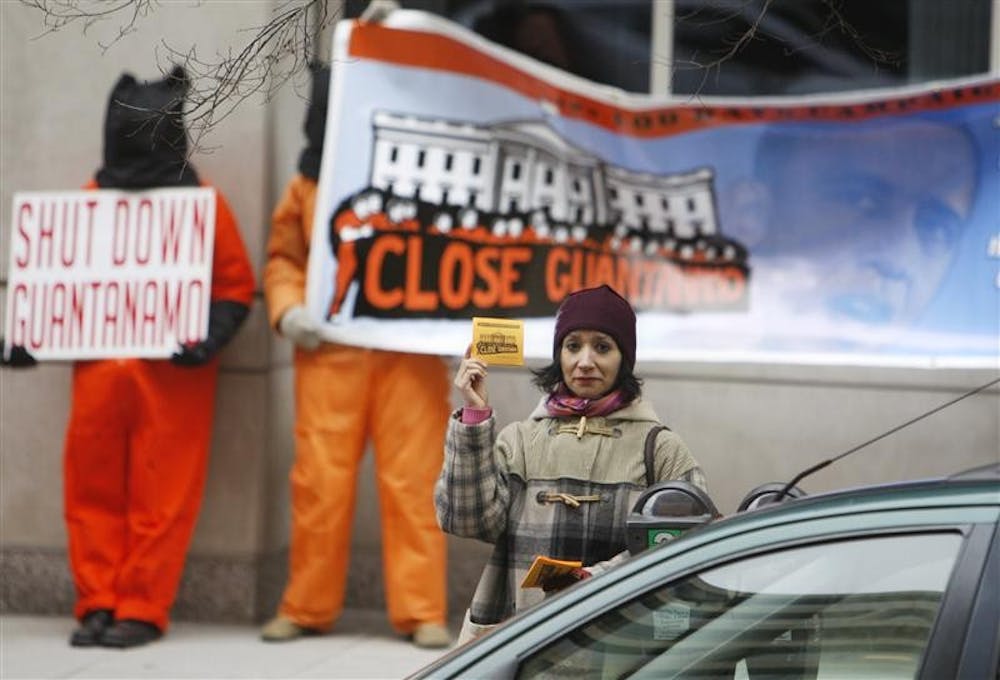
(547, 379)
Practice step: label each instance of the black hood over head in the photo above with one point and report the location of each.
(315, 125)
(145, 143)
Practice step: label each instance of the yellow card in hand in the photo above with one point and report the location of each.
(498, 342)
(546, 568)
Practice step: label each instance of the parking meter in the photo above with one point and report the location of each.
(666, 510)
(767, 494)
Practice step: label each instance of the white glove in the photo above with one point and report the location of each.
(298, 326)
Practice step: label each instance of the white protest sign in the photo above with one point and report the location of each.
(107, 273)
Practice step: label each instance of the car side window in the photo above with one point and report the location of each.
(849, 608)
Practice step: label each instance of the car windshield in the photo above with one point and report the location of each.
(843, 609)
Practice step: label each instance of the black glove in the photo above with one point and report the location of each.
(19, 357)
(224, 318)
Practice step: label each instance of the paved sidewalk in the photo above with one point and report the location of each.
(362, 646)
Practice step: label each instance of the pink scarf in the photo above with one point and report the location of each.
(564, 404)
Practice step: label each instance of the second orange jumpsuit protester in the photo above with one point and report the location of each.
(342, 395)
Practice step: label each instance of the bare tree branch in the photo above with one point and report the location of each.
(835, 21)
(273, 54)
(715, 64)
(714, 15)
(58, 14)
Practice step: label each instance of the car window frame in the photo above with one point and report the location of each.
(966, 635)
(937, 657)
(959, 604)
(986, 618)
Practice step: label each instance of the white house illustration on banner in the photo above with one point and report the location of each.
(525, 166)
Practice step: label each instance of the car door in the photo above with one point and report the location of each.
(814, 599)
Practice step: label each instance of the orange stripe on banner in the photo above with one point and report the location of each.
(439, 53)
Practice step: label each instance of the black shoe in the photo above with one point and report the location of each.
(130, 633)
(92, 626)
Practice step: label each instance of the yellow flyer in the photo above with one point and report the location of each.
(545, 568)
(498, 342)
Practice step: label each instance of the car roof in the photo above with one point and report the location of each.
(979, 486)
(902, 493)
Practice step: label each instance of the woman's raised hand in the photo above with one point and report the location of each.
(470, 379)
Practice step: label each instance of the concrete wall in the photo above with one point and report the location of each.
(55, 87)
(747, 424)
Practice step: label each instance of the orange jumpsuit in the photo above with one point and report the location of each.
(343, 395)
(135, 461)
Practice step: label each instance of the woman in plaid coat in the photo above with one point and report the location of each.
(561, 482)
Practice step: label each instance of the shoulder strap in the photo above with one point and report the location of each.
(650, 452)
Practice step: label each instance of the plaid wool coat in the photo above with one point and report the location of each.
(560, 487)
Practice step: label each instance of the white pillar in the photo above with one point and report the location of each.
(661, 49)
(995, 38)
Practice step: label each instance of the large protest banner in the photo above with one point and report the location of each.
(462, 179)
(97, 274)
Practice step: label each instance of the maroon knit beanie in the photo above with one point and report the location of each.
(597, 309)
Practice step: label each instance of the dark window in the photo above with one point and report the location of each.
(607, 42)
(448, 158)
(638, 199)
(796, 46)
(690, 204)
(548, 176)
(515, 171)
(665, 202)
(802, 46)
(576, 185)
(476, 165)
(394, 154)
(421, 157)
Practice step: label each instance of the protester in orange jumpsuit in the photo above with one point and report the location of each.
(343, 396)
(138, 438)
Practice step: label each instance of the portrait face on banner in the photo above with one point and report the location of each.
(877, 213)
